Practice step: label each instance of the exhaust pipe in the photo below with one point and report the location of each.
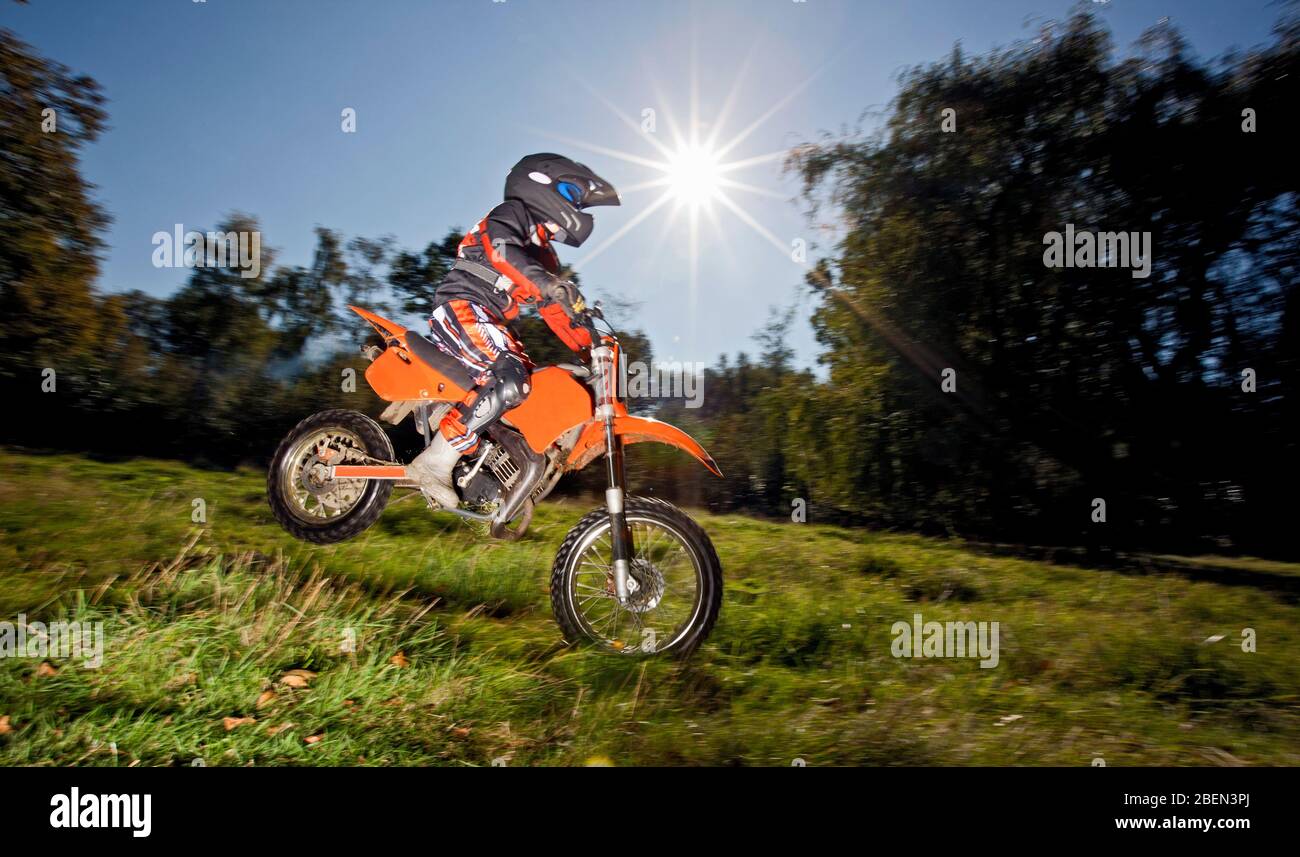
(533, 466)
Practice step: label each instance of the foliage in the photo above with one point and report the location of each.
(1072, 384)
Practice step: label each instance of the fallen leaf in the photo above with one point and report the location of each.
(267, 697)
(297, 678)
(276, 730)
(235, 722)
(400, 660)
(312, 739)
(5, 728)
(45, 669)
(460, 731)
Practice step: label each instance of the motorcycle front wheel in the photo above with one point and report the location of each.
(674, 585)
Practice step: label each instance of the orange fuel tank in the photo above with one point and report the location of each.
(556, 403)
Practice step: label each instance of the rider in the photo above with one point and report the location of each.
(506, 260)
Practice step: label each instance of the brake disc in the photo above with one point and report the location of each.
(315, 480)
(645, 586)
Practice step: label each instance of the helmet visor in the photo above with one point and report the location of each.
(572, 192)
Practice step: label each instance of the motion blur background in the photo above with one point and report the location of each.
(925, 251)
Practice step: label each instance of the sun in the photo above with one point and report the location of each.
(691, 168)
(694, 175)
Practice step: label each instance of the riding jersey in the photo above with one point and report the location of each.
(513, 247)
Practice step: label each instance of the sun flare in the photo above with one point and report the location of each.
(694, 175)
(689, 167)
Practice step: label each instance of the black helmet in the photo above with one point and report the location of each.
(556, 189)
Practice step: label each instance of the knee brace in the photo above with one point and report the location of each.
(507, 388)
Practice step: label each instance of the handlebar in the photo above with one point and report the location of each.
(587, 321)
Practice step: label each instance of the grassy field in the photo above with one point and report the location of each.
(228, 643)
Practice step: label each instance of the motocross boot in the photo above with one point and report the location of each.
(432, 469)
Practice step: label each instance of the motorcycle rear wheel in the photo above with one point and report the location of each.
(675, 583)
(308, 504)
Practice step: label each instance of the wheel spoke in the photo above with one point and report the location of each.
(306, 493)
(663, 596)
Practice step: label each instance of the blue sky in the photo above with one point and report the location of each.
(231, 105)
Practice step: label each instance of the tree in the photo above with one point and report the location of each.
(1074, 382)
(50, 226)
(413, 277)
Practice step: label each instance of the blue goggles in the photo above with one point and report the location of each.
(572, 192)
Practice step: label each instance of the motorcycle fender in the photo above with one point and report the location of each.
(591, 443)
(395, 379)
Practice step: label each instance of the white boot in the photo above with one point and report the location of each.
(432, 470)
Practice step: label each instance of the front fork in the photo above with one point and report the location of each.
(620, 534)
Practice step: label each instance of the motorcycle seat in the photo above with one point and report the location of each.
(442, 362)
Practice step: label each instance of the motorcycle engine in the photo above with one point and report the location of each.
(491, 478)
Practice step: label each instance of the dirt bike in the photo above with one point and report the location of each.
(637, 576)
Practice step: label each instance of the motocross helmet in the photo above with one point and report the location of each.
(556, 190)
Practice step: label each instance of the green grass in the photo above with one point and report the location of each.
(202, 620)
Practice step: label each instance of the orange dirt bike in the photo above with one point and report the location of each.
(636, 576)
